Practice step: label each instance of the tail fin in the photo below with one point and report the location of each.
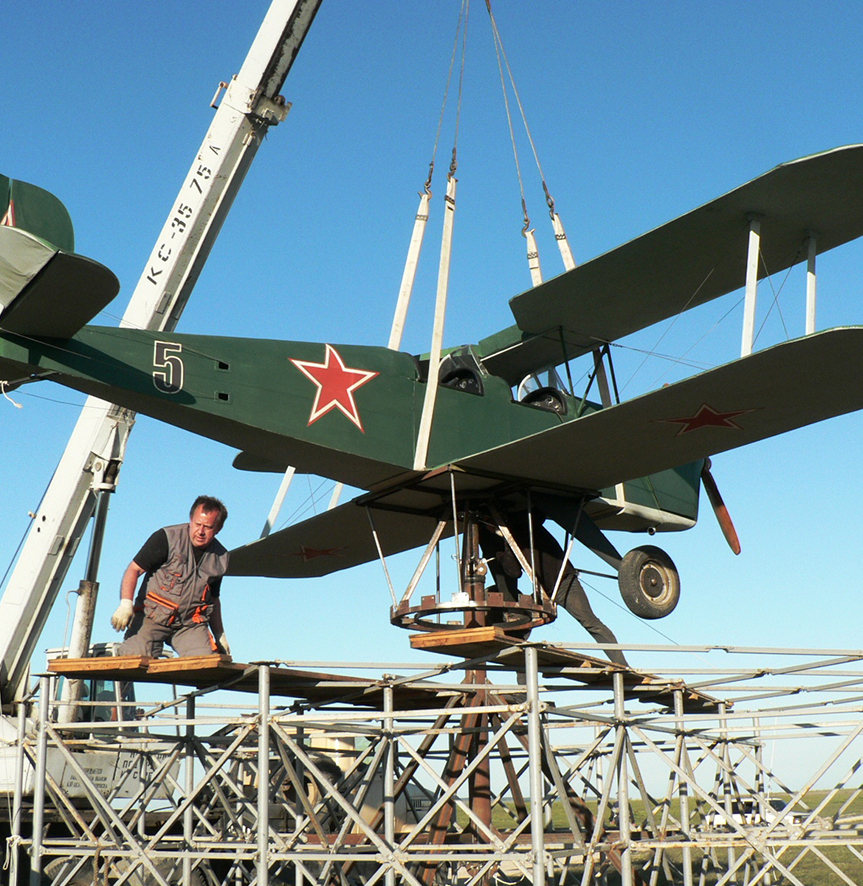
(45, 289)
(36, 210)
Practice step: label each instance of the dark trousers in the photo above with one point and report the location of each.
(547, 557)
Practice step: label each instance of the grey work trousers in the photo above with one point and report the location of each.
(145, 637)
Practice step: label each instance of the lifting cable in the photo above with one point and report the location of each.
(557, 224)
(421, 453)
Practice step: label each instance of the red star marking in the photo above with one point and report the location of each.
(313, 553)
(707, 417)
(9, 218)
(336, 384)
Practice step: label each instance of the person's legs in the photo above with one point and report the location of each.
(144, 637)
(550, 558)
(193, 640)
(573, 599)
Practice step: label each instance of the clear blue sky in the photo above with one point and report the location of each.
(640, 112)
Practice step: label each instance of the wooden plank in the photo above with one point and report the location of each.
(83, 667)
(466, 642)
(193, 663)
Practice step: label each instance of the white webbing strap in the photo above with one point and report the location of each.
(533, 258)
(562, 242)
(410, 272)
(404, 299)
(437, 334)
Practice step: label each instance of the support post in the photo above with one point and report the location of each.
(811, 284)
(534, 750)
(389, 784)
(623, 784)
(263, 772)
(45, 686)
(751, 286)
(684, 785)
(18, 797)
(188, 819)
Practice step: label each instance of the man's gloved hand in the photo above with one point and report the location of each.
(222, 643)
(121, 618)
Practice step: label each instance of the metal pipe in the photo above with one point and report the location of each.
(18, 797)
(389, 783)
(188, 819)
(623, 784)
(534, 750)
(684, 787)
(263, 772)
(45, 686)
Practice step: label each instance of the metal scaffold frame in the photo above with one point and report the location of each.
(700, 775)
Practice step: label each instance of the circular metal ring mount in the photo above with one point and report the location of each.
(460, 612)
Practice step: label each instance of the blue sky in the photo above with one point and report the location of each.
(640, 112)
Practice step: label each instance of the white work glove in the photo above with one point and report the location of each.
(222, 643)
(121, 618)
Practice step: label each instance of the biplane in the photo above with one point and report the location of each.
(497, 447)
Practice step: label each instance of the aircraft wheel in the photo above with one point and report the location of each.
(649, 582)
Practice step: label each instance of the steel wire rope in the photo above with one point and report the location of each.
(462, 15)
(502, 53)
(648, 624)
(776, 294)
(667, 330)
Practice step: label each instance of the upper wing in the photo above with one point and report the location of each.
(770, 392)
(335, 540)
(694, 258)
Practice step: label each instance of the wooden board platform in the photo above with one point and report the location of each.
(505, 651)
(203, 672)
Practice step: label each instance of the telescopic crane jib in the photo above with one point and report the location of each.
(89, 467)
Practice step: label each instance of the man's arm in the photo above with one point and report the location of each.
(129, 582)
(218, 627)
(121, 618)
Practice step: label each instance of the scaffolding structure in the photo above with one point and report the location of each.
(523, 763)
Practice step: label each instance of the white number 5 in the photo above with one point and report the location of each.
(168, 367)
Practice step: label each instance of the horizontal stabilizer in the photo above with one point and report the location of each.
(788, 386)
(332, 541)
(48, 293)
(691, 260)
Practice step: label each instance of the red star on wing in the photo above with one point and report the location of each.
(707, 417)
(313, 553)
(336, 384)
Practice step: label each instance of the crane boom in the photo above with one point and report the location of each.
(95, 451)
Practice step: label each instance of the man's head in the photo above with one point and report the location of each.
(206, 518)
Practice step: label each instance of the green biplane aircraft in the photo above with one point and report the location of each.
(352, 413)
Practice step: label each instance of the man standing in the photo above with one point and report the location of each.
(178, 601)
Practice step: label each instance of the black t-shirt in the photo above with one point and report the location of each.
(154, 554)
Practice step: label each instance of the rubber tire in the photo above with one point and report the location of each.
(649, 582)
